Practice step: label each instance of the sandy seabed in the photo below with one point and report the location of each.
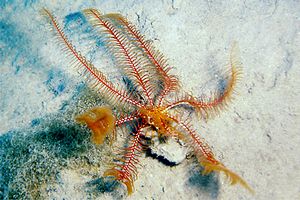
(44, 154)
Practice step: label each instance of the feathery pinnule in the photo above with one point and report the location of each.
(128, 57)
(208, 107)
(93, 76)
(168, 82)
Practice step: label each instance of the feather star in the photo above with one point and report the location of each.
(153, 103)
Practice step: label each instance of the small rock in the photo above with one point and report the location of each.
(170, 153)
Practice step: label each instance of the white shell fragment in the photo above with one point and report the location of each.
(172, 151)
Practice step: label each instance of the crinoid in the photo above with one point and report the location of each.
(153, 101)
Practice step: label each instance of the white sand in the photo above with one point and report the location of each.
(258, 137)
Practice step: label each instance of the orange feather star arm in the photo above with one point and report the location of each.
(233, 177)
(96, 78)
(127, 118)
(129, 58)
(125, 170)
(206, 157)
(169, 82)
(216, 104)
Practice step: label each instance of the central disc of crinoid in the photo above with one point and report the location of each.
(156, 117)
